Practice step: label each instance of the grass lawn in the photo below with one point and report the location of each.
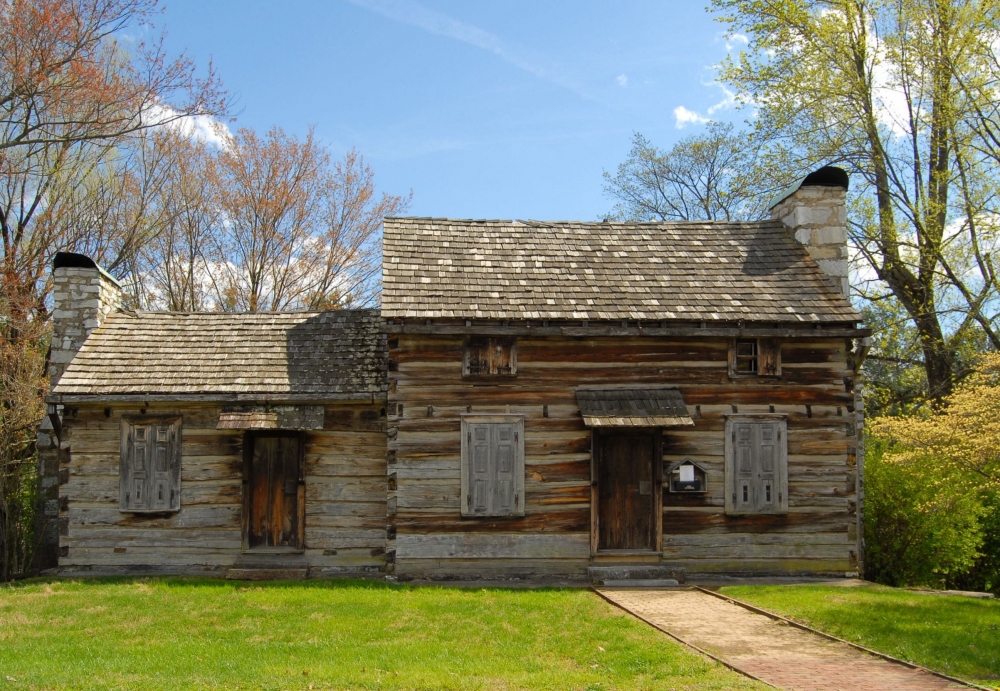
(199, 634)
(955, 635)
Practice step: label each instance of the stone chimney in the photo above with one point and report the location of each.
(814, 210)
(84, 295)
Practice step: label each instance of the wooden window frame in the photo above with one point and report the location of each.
(127, 452)
(520, 500)
(765, 346)
(466, 348)
(781, 506)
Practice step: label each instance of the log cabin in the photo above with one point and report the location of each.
(616, 402)
(632, 401)
(250, 445)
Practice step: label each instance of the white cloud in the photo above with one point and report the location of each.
(685, 117)
(413, 13)
(622, 80)
(733, 39)
(201, 128)
(728, 101)
(204, 129)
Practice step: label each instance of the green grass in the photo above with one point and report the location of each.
(959, 636)
(199, 634)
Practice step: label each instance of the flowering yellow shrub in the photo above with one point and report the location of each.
(962, 438)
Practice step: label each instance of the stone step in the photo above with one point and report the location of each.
(621, 573)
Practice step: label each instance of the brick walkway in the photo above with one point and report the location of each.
(779, 654)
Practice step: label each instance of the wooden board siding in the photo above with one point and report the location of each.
(344, 494)
(428, 538)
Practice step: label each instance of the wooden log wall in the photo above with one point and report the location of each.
(428, 538)
(344, 489)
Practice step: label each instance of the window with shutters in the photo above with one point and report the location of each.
(750, 357)
(492, 465)
(489, 356)
(150, 470)
(756, 464)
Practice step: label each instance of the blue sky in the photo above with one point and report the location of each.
(484, 110)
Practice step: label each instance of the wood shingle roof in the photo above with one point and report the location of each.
(704, 271)
(282, 356)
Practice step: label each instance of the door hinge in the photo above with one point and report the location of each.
(470, 437)
(468, 500)
(516, 499)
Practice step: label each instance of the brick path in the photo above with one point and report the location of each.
(779, 654)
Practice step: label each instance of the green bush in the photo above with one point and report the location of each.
(985, 574)
(921, 527)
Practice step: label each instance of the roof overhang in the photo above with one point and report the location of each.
(653, 406)
(212, 397)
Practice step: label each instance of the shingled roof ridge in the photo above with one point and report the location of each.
(446, 220)
(263, 313)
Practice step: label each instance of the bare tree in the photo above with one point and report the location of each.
(710, 176)
(298, 232)
(64, 79)
(171, 269)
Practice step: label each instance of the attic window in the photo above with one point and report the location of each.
(750, 357)
(746, 357)
(490, 356)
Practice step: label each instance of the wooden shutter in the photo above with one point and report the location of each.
(150, 469)
(493, 466)
(134, 468)
(756, 466)
(744, 462)
(769, 357)
(480, 475)
(766, 468)
(503, 457)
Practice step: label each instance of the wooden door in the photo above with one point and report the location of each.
(274, 491)
(626, 490)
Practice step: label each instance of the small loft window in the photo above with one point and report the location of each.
(489, 356)
(746, 357)
(750, 357)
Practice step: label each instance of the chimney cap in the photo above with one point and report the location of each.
(72, 260)
(827, 176)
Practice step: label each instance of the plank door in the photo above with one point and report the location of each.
(626, 491)
(274, 494)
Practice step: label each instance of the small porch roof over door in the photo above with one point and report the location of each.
(659, 406)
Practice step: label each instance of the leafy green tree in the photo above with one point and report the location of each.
(898, 92)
